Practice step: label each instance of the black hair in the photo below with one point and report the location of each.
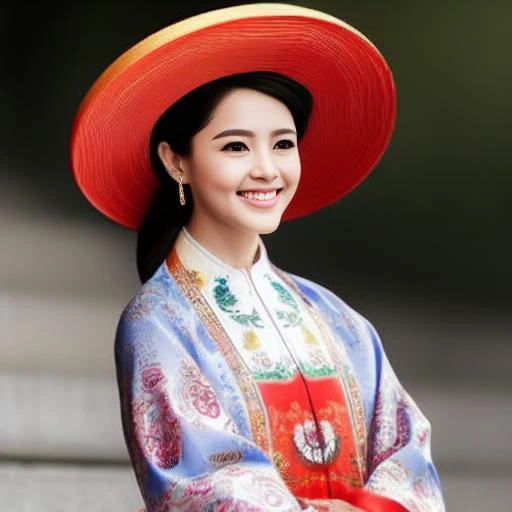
(179, 123)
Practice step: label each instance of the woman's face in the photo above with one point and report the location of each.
(244, 166)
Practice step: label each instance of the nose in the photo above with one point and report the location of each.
(263, 166)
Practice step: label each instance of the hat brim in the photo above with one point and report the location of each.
(353, 116)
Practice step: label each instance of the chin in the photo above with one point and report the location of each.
(264, 228)
(267, 231)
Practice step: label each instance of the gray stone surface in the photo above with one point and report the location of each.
(67, 488)
(60, 417)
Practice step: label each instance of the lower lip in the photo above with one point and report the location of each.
(260, 204)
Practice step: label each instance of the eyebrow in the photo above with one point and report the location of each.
(248, 133)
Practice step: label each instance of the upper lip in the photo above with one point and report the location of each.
(262, 190)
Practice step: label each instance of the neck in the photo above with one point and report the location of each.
(236, 248)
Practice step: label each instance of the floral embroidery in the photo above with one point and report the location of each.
(259, 344)
(272, 492)
(279, 372)
(151, 377)
(290, 318)
(383, 428)
(311, 371)
(196, 392)
(238, 505)
(309, 337)
(317, 364)
(264, 368)
(316, 445)
(418, 492)
(199, 488)
(258, 486)
(251, 340)
(199, 278)
(156, 426)
(226, 300)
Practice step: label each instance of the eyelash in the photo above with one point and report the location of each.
(231, 144)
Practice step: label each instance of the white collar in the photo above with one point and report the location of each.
(197, 258)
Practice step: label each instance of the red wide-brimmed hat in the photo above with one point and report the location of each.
(354, 102)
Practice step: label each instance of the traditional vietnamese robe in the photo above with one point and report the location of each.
(241, 390)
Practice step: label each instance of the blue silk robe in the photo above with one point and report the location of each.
(242, 390)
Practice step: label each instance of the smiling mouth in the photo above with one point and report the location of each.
(259, 196)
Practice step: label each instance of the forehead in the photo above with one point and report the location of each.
(249, 107)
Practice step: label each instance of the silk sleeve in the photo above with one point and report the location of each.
(399, 463)
(399, 459)
(187, 453)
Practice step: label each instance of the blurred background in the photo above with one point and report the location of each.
(422, 248)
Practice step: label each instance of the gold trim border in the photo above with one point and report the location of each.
(248, 387)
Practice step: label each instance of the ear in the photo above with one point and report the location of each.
(174, 163)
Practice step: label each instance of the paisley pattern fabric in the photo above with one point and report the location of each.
(245, 389)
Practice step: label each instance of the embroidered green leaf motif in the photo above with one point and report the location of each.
(312, 371)
(223, 296)
(227, 301)
(284, 295)
(245, 319)
(289, 318)
(279, 372)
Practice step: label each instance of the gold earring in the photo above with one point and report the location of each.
(181, 191)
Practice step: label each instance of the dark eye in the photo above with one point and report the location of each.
(234, 146)
(285, 144)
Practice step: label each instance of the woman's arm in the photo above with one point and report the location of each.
(186, 451)
(401, 475)
(399, 459)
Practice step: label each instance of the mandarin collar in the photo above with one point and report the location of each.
(197, 258)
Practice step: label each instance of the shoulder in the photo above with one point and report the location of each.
(150, 297)
(320, 294)
(144, 311)
(338, 313)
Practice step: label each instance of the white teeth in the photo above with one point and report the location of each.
(260, 196)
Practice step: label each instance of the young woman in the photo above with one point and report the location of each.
(242, 386)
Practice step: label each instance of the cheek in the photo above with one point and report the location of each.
(293, 170)
(214, 173)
